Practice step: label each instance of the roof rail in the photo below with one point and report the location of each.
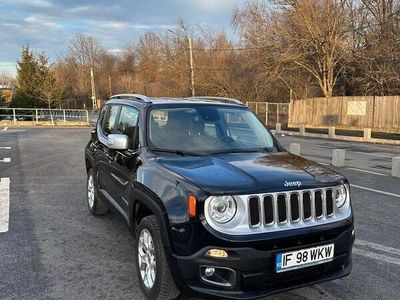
(130, 96)
(222, 99)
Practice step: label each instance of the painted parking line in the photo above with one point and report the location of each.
(6, 159)
(377, 256)
(371, 154)
(375, 191)
(378, 247)
(368, 249)
(4, 204)
(6, 148)
(365, 171)
(5, 128)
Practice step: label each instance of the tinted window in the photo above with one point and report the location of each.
(127, 122)
(110, 116)
(215, 129)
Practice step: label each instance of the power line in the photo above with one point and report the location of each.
(213, 69)
(143, 83)
(228, 49)
(162, 62)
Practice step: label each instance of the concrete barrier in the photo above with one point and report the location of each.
(331, 132)
(294, 148)
(367, 133)
(302, 130)
(338, 157)
(396, 167)
(278, 128)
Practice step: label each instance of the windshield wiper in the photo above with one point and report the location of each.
(263, 150)
(177, 151)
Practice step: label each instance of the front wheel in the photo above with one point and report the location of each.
(152, 268)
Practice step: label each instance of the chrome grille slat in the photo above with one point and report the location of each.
(276, 218)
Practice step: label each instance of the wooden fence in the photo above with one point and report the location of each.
(355, 113)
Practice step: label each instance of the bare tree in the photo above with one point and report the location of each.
(305, 34)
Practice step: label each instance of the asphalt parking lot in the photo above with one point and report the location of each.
(51, 248)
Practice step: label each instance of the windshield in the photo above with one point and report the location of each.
(207, 129)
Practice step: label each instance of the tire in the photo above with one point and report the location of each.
(95, 205)
(163, 287)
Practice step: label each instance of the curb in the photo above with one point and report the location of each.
(341, 138)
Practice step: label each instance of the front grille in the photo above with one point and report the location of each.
(291, 207)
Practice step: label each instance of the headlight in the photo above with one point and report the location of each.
(222, 209)
(341, 196)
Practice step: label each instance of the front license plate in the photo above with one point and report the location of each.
(303, 258)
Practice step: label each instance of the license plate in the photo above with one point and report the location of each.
(304, 258)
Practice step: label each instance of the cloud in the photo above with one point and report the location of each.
(214, 5)
(48, 25)
(39, 23)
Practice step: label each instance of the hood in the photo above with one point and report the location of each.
(250, 172)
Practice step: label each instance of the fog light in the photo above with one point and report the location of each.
(217, 253)
(209, 272)
(219, 276)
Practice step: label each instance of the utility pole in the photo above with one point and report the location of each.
(191, 67)
(93, 88)
(193, 91)
(109, 84)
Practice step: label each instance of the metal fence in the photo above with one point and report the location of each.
(271, 113)
(42, 116)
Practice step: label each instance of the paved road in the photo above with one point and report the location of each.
(55, 250)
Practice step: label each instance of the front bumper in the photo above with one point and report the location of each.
(254, 267)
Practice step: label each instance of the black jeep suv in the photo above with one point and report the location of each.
(217, 207)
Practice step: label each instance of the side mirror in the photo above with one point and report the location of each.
(118, 141)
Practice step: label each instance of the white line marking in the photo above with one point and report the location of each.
(4, 204)
(17, 130)
(365, 171)
(380, 257)
(6, 159)
(375, 191)
(5, 128)
(378, 247)
(371, 154)
(7, 148)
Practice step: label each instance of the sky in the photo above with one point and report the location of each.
(48, 25)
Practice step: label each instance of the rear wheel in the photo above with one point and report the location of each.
(95, 205)
(152, 268)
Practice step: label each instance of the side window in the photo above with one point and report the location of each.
(101, 117)
(127, 122)
(110, 116)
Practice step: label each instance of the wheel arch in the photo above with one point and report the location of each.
(143, 205)
(88, 164)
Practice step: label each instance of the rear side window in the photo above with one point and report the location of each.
(127, 122)
(110, 116)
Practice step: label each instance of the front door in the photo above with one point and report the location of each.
(123, 163)
(104, 156)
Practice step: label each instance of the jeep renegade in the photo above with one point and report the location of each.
(217, 206)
